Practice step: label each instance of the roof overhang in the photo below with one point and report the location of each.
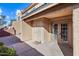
(52, 5)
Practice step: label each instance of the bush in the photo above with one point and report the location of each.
(1, 44)
(5, 51)
(11, 51)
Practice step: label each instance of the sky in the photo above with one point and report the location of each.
(9, 10)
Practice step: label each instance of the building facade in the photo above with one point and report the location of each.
(51, 22)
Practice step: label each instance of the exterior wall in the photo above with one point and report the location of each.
(18, 27)
(47, 30)
(23, 30)
(26, 31)
(37, 31)
(76, 32)
(41, 30)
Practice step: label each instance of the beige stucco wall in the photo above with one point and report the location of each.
(41, 30)
(23, 30)
(26, 31)
(18, 27)
(47, 30)
(76, 32)
(38, 31)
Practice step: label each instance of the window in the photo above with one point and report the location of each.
(64, 32)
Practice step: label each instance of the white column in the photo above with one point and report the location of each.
(76, 32)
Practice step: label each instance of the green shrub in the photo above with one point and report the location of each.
(1, 44)
(5, 51)
(11, 52)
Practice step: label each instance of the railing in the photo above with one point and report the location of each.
(35, 9)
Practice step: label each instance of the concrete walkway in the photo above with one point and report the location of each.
(47, 49)
(29, 48)
(21, 48)
(66, 49)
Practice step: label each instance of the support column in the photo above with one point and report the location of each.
(76, 32)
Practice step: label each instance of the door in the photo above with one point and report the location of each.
(55, 32)
(60, 32)
(64, 32)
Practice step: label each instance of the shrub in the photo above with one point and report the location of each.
(11, 52)
(5, 51)
(1, 44)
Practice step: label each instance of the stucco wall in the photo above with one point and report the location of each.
(76, 32)
(18, 27)
(47, 30)
(23, 30)
(41, 30)
(26, 31)
(37, 31)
